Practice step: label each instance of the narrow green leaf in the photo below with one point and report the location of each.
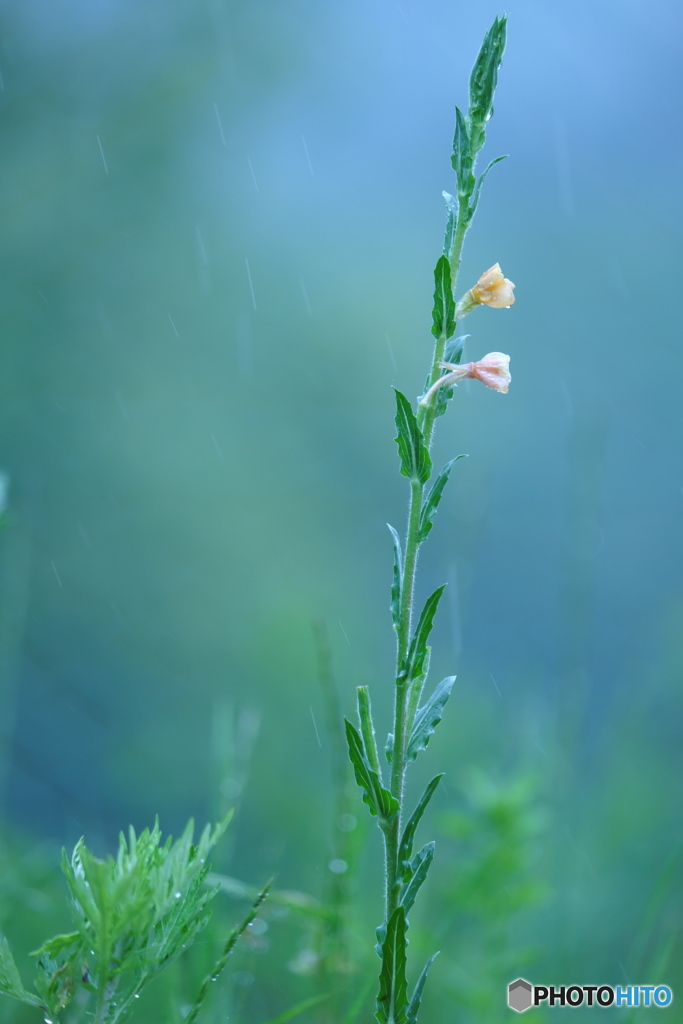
(379, 800)
(392, 997)
(415, 461)
(462, 160)
(299, 1008)
(427, 718)
(432, 500)
(451, 223)
(56, 945)
(367, 729)
(419, 866)
(10, 980)
(416, 997)
(75, 873)
(397, 580)
(361, 768)
(480, 181)
(418, 650)
(405, 850)
(483, 82)
(355, 1008)
(293, 899)
(454, 349)
(220, 964)
(414, 693)
(443, 314)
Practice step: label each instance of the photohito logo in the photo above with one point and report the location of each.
(522, 995)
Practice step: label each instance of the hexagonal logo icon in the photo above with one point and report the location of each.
(519, 995)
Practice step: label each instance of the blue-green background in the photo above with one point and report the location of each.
(219, 225)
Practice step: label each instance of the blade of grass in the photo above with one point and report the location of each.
(356, 1006)
(225, 955)
(296, 1010)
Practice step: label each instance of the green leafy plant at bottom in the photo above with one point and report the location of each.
(133, 914)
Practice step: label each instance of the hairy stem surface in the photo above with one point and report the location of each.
(427, 416)
(392, 829)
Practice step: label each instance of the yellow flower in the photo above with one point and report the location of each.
(493, 371)
(492, 289)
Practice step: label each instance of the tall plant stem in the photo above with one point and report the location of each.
(103, 1003)
(106, 984)
(392, 829)
(402, 727)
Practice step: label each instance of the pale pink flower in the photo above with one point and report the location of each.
(493, 371)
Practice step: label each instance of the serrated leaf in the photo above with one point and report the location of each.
(56, 945)
(480, 181)
(416, 463)
(483, 80)
(392, 997)
(418, 650)
(57, 982)
(419, 866)
(431, 502)
(462, 159)
(454, 349)
(416, 997)
(443, 314)
(147, 903)
(397, 580)
(427, 718)
(379, 800)
(10, 979)
(405, 850)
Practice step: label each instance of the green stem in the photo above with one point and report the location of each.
(104, 997)
(105, 984)
(409, 568)
(426, 416)
(225, 955)
(392, 883)
(405, 623)
(392, 830)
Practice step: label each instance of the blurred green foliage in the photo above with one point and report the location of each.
(134, 914)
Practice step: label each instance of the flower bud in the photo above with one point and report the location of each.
(492, 289)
